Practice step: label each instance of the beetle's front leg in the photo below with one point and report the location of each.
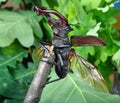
(42, 44)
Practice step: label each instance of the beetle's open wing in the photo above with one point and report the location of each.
(39, 51)
(82, 68)
(37, 54)
(86, 41)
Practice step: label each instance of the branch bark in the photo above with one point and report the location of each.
(116, 83)
(40, 79)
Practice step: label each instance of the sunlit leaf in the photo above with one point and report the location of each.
(116, 56)
(52, 3)
(108, 0)
(116, 59)
(102, 52)
(94, 30)
(3, 1)
(106, 8)
(90, 4)
(85, 51)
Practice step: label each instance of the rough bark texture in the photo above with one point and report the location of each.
(40, 78)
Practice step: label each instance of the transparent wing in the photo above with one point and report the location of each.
(37, 54)
(82, 68)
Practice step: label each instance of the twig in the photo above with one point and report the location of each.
(116, 83)
(40, 78)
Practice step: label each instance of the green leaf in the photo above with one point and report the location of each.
(22, 74)
(116, 59)
(73, 89)
(90, 4)
(108, 1)
(17, 2)
(33, 22)
(28, 1)
(116, 56)
(3, 1)
(12, 89)
(106, 8)
(104, 52)
(117, 42)
(110, 48)
(10, 55)
(80, 11)
(48, 34)
(94, 30)
(15, 25)
(84, 51)
(52, 3)
(86, 20)
(5, 74)
(106, 69)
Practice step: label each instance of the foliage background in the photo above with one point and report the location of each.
(20, 31)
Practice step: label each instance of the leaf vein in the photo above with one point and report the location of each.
(78, 89)
(9, 60)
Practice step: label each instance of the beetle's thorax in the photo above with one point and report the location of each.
(61, 31)
(60, 42)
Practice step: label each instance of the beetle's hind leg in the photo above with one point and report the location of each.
(53, 81)
(42, 44)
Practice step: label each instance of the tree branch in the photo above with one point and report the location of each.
(40, 79)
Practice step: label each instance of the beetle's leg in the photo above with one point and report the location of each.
(53, 81)
(45, 43)
(61, 61)
(43, 46)
(53, 63)
(61, 64)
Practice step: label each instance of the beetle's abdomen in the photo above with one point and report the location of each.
(62, 61)
(61, 71)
